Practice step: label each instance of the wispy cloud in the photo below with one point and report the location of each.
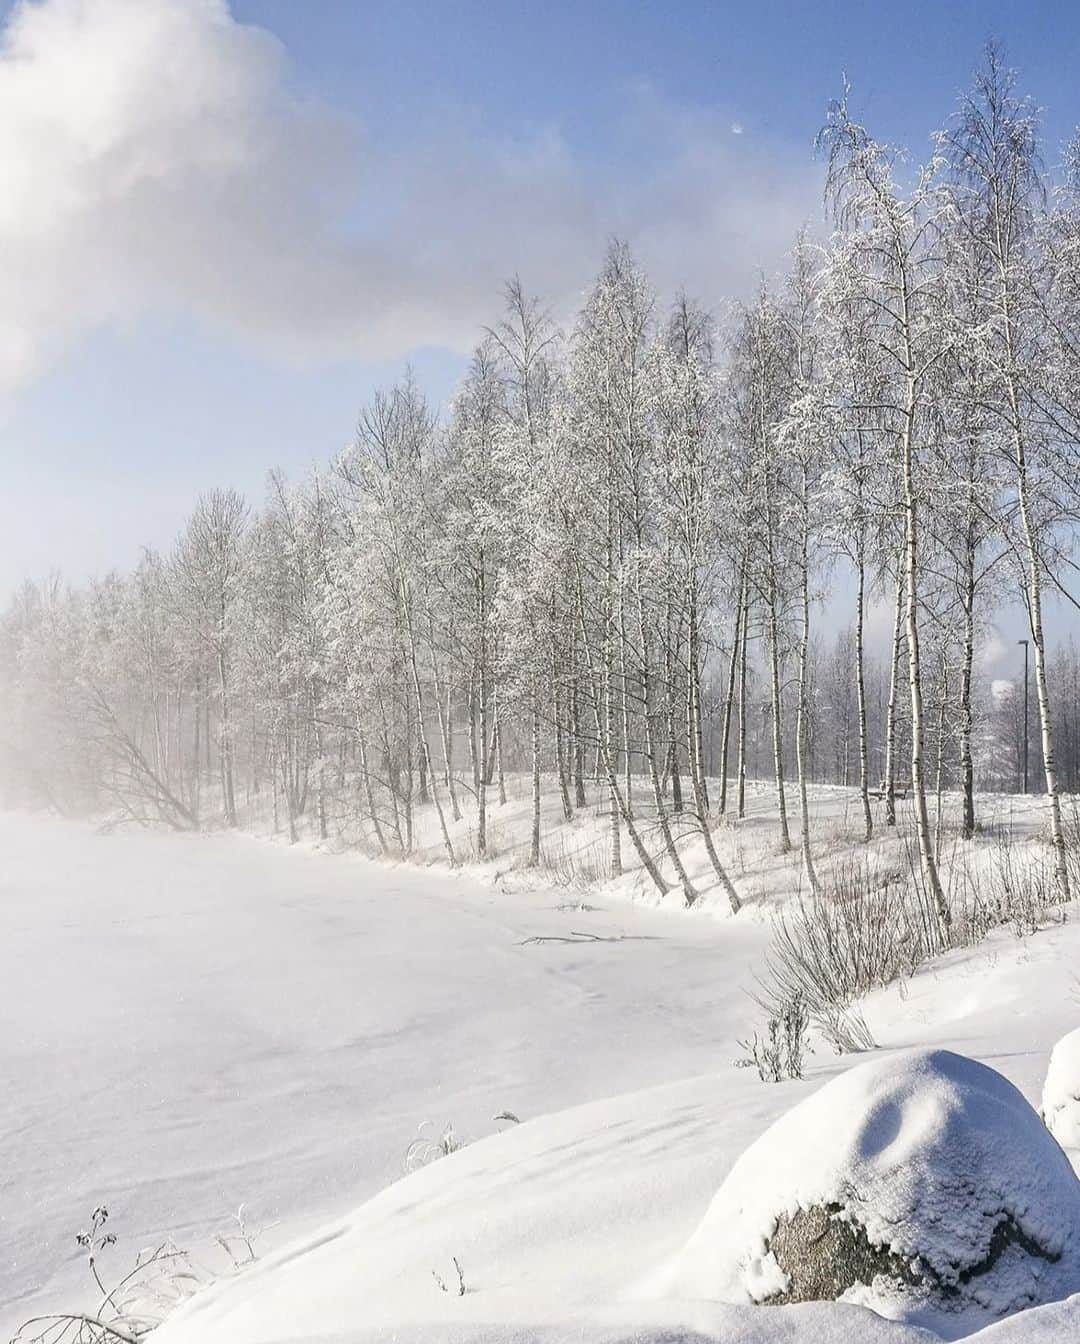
(153, 157)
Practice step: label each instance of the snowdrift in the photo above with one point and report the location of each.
(1061, 1093)
(560, 1223)
(921, 1185)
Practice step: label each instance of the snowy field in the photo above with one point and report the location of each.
(192, 1023)
(195, 1022)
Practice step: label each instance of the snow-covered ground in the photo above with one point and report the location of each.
(577, 850)
(195, 1022)
(561, 1225)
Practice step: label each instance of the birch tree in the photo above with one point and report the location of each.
(897, 271)
(993, 152)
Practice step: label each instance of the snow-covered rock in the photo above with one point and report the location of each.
(920, 1184)
(1061, 1092)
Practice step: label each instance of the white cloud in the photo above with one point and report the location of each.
(153, 158)
(149, 156)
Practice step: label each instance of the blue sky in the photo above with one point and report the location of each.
(174, 322)
(773, 65)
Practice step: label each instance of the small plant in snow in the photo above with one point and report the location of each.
(581, 868)
(239, 1243)
(1022, 887)
(160, 1280)
(95, 1239)
(426, 1149)
(443, 1287)
(779, 1055)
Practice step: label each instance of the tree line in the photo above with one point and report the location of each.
(603, 568)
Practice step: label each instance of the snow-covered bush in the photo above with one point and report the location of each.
(1023, 887)
(161, 1280)
(1071, 833)
(922, 1185)
(856, 934)
(1061, 1091)
(427, 1148)
(778, 1054)
(1010, 884)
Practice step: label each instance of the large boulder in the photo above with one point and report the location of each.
(1061, 1092)
(921, 1184)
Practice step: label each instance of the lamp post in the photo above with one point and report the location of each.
(1025, 644)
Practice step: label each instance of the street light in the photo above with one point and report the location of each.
(1025, 644)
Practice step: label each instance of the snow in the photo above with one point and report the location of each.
(929, 1153)
(553, 1223)
(765, 876)
(199, 1021)
(558, 1225)
(1061, 1091)
(193, 1022)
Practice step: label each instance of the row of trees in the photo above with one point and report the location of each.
(603, 569)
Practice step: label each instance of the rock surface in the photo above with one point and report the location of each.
(920, 1184)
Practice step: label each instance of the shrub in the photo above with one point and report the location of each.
(858, 933)
(779, 1055)
(580, 868)
(426, 1149)
(160, 1280)
(865, 929)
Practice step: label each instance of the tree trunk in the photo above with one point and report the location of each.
(534, 849)
(889, 782)
(860, 688)
(777, 723)
(801, 713)
(560, 758)
(320, 763)
(1042, 688)
(689, 894)
(1034, 603)
(741, 807)
(482, 774)
(369, 794)
(624, 689)
(918, 781)
(474, 753)
(671, 692)
(729, 696)
(939, 770)
(619, 807)
(580, 798)
(225, 745)
(967, 764)
(442, 710)
(275, 808)
(427, 775)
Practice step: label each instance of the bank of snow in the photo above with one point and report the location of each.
(558, 1227)
(1061, 1091)
(196, 1022)
(555, 1225)
(561, 1224)
(922, 1184)
(191, 1023)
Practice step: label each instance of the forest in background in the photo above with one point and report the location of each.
(606, 565)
